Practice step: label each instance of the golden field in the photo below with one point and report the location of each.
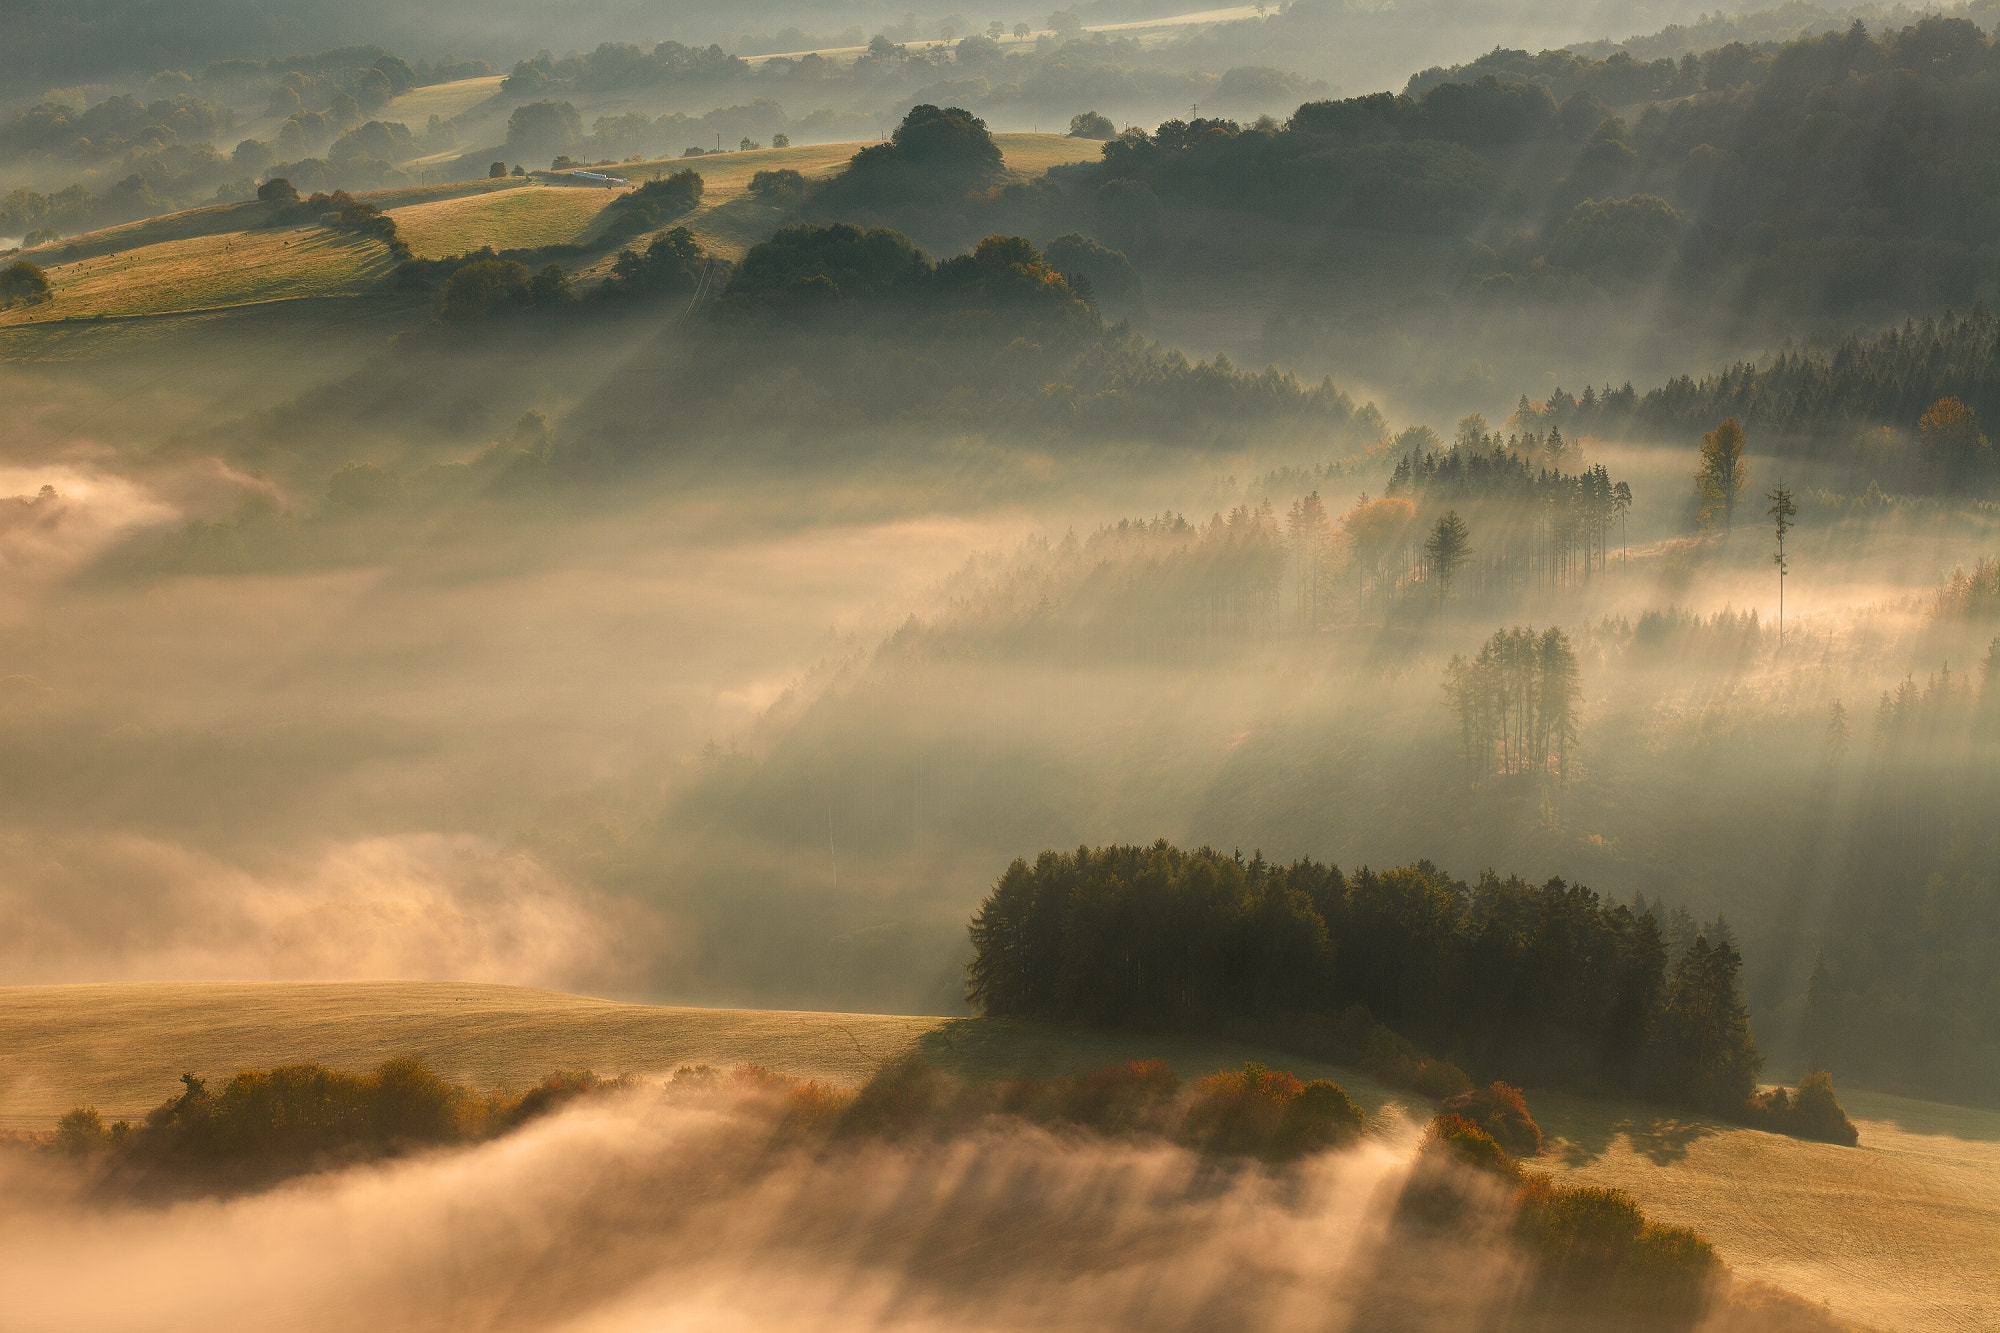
(522, 218)
(206, 271)
(1898, 1233)
(444, 100)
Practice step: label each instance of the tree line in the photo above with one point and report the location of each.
(1930, 383)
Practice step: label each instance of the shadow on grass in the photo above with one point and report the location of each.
(1661, 1139)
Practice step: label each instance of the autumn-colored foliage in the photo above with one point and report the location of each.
(1502, 1112)
(1268, 1113)
(264, 1124)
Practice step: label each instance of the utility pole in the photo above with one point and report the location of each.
(1782, 512)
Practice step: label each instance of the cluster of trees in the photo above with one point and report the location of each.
(1517, 705)
(1533, 983)
(265, 1124)
(339, 211)
(653, 204)
(113, 127)
(1536, 526)
(933, 177)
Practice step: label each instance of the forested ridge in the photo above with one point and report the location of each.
(1847, 173)
(1915, 402)
(1543, 984)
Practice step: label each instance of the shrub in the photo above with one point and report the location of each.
(1320, 1117)
(81, 1131)
(23, 283)
(899, 1100)
(1439, 1079)
(777, 186)
(1813, 1112)
(1501, 1111)
(1268, 1113)
(1111, 1101)
(1453, 1138)
(1595, 1245)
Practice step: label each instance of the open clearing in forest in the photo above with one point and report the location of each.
(1899, 1232)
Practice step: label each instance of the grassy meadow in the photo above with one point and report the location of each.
(445, 100)
(1898, 1233)
(517, 219)
(202, 272)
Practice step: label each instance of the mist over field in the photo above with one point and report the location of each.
(1340, 643)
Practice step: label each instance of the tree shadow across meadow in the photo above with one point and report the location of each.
(1582, 1131)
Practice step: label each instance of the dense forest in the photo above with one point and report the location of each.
(1759, 194)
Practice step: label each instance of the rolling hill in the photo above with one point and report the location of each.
(223, 256)
(1897, 1233)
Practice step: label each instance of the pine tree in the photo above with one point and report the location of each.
(1704, 1055)
(1449, 546)
(1782, 512)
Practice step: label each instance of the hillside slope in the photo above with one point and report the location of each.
(222, 255)
(1897, 1233)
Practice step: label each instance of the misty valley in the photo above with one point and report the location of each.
(1312, 666)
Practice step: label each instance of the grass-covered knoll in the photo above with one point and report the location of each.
(521, 219)
(221, 269)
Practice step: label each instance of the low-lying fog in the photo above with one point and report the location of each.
(685, 740)
(636, 1215)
